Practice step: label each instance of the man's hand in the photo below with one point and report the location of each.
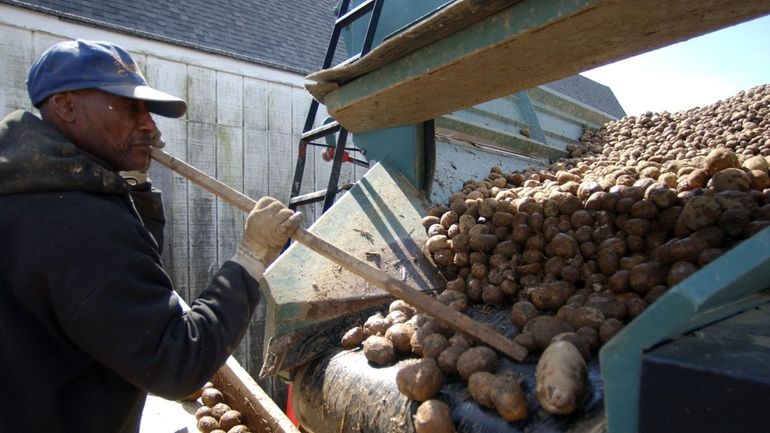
(267, 229)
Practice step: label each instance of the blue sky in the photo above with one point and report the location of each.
(693, 73)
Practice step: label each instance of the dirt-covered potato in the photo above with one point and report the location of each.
(551, 296)
(379, 350)
(609, 328)
(202, 411)
(478, 358)
(526, 341)
(579, 342)
(433, 345)
(508, 398)
(376, 324)
(239, 429)
(211, 397)
(421, 380)
(219, 409)
(353, 338)
(480, 387)
(679, 271)
(207, 424)
(590, 335)
(400, 335)
(560, 378)
(447, 360)
(433, 416)
(522, 312)
(544, 328)
(230, 419)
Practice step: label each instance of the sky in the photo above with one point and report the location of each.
(694, 73)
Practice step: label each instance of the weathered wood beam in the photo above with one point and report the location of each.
(530, 43)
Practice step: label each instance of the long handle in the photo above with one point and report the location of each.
(443, 313)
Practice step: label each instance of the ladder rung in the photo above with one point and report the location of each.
(321, 131)
(355, 14)
(315, 196)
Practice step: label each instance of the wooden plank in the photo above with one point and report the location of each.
(454, 17)
(16, 52)
(171, 77)
(229, 99)
(528, 44)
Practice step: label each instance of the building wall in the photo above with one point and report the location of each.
(243, 126)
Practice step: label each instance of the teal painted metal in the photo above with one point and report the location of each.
(396, 15)
(529, 116)
(731, 284)
(401, 145)
(489, 32)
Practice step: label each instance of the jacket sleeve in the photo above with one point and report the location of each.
(117, 304)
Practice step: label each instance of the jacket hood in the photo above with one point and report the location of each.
(34, 157)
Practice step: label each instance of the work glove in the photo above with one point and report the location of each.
(268, 227)
(139, 177)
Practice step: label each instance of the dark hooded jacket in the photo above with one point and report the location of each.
(89, 321)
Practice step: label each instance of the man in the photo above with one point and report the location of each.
(89, 321)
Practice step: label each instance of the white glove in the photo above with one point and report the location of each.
(267, 229)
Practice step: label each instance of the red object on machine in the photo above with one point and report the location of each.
(290, 407)
(328, 154)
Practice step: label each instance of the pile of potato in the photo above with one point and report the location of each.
(215, 415)
(580, 248)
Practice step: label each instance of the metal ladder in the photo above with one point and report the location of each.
(336, 151)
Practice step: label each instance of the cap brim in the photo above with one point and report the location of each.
(158, 102)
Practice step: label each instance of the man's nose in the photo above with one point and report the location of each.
(146, 122)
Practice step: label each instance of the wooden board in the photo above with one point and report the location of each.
(528, 44)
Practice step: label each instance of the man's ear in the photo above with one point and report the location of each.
(62, 105)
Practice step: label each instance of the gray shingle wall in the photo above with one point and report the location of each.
(288, 34)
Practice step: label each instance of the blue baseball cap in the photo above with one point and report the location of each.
(81, 64)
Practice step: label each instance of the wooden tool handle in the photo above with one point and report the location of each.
(443, 313)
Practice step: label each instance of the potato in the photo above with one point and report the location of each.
(219, 409)
(207, 424)
(211, 397)
(396, 317)
(508, 398)
(379, 350)
(610, 307)
(436, 243)
(480, 388)
(376, 324)
(433, 345)
(590, 335)
(522, 312)
(421, 380)
(526, 341)
(544, 328)
(483, 242)
(647, 275)
(581, 316)
(447, 360)
(609, 328)
(230, 419)
(401, 305)
(720, 159)
(564, 245)
(400, 335)
(698, 212)
(479, 358)
(239, 429)
(202, 411)
(731, 179)
(579, 342)
(353, 338)
(560, 378)
(429, 221)
(551, 296)
(433, 416)
(679, 271)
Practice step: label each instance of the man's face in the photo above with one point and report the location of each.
(114, 128)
